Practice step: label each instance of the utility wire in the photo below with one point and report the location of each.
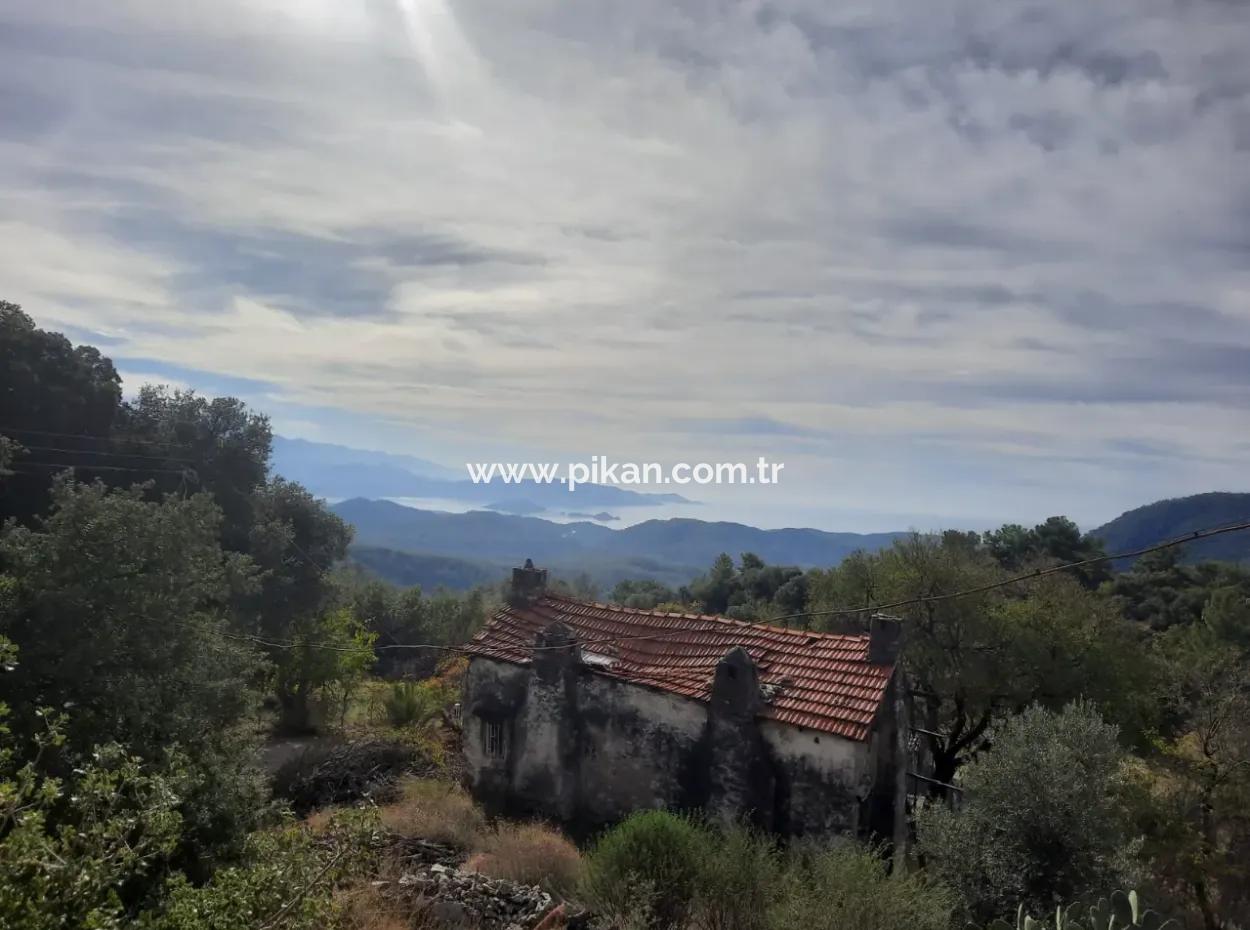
(91, 466)
(114, 439)
(124, 455)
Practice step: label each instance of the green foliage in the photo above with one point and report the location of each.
(1197, 785)
(653, 850)
(739, 879)
(848, 887)
(665, 870)
(643, 595)
(1056, 541)
(47, 383)
(329, 658)
(1120, 912)
(71, 847)
(286, 880)
(752, 591)
(414, 703)
(1161, 592)
(976, 659)
(225, 444)
(9, 452)
(116, 603)
(1043, 818)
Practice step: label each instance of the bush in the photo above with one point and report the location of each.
(739, 880)
(649, 860)
(437, 811)
(1043, 821)
(286, 882)
(412, 703)
(849, 887)
(70, 851)
(532, 854)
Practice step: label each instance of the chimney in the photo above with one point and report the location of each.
(885, 635)
(528, 584)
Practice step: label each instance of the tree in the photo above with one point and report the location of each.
(1199, 785)
(644, 594)
(1058, 540)
(1043, 820)
(117, 604)
(713, 590)
(293, 541)
(221, 445)
(71, 848)
(1161, 592)
(980, 657)
(51, 393)
(329, 657)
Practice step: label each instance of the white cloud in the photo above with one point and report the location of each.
(560, 225)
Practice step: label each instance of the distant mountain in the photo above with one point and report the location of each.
(316, 463)
(429, 571)
(1168, 519)
(671, 550)
(338, 471)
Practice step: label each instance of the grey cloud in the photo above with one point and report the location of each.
(980, 210)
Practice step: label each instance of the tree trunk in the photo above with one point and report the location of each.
(296, 714)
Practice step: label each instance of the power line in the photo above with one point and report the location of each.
(88, 466)
(114, 439)
(125, 455)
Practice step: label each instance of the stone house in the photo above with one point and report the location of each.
(583, 712)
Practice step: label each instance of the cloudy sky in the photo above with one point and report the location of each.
(952, 261)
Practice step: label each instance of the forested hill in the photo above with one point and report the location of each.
(505, 538)
(1168, 519)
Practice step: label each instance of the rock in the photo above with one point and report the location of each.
(449, 912)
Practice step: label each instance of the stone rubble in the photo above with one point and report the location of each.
(468, 899)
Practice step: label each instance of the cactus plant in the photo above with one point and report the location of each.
(1120, 912)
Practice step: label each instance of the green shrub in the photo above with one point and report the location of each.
(739, 879)
(649, 861)
(849, 886)
(412, 703)
(1043, 820)
(286, 881)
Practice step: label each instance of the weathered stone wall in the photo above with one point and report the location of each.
(586, 749)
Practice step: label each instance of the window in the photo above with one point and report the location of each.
(492, 739)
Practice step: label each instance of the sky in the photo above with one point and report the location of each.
(954, 262)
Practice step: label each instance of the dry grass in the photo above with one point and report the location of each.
(436, 811)
(533, 854)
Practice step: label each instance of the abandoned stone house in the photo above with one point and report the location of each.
(583, 713)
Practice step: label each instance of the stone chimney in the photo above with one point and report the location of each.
(528, 584)
(885, 636)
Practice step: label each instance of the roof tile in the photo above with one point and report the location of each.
(823, 681)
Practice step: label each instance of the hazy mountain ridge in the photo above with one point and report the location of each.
(460, 550)
(331, 470)
(670, 550)
(1174, 517)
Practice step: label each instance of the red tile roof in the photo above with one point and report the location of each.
(822, 681)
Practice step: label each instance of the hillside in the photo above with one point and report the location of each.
(1167, 519)
(673, 551)
(428, 571)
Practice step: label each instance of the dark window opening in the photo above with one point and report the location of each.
(492, 739)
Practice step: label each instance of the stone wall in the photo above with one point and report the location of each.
(560, 740)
